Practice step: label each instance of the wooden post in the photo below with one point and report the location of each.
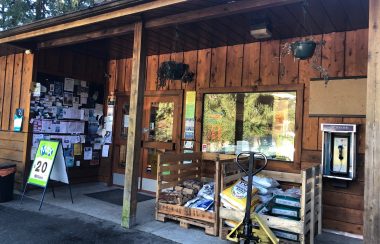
(372, 152)
(135, 128)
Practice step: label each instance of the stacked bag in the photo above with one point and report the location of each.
(191, 194)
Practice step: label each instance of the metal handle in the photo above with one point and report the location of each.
(254, 153)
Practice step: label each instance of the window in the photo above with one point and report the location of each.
(255, 121)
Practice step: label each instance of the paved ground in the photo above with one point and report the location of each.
(24, 224)
(89, 220)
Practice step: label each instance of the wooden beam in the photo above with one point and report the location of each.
(217, 11)
(90, 36)
(372, 152)
(135, 127)
(93, 19)
(182, 18)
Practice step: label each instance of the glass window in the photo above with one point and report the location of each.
(260, 121)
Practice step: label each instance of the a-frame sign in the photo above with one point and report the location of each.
(49, 164)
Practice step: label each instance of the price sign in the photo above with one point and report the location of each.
(43, 163)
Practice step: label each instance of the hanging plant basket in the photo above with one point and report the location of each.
(171, 70)
(303, 49)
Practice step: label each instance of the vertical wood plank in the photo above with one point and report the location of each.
(3, 67)
(135, 127)
(356, 53)
(372, 152)
(218, 67)
(67, 61)
(190, 58)
(151, 74)
(120, 64)
(269, 62)
(203, 68)
(251, 64)
(27, 76)
(310, 124)
(234, 65)
(8, 92)
(288, 67)
(16, 89)
(163, 58)
(112, 77)
(128, 74)
(176, 84)
(333, 53)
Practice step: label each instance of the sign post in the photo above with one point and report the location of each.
(49, 164)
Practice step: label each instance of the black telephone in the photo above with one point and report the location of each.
(340, 154)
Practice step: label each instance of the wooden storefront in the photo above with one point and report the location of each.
(218, 66)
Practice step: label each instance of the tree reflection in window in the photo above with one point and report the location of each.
(262, 122)
(161, 122)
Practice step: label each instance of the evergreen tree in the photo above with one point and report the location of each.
(18, 12)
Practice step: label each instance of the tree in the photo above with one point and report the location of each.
(18, 12)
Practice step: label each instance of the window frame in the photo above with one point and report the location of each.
(289, 166)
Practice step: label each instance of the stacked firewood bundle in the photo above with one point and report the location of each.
(181, 193)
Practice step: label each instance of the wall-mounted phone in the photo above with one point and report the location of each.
(340, 154)
(339, 151)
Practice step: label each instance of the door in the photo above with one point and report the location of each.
(120, 138)
(162, 131)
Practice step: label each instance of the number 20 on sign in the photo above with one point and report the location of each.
(43, 163)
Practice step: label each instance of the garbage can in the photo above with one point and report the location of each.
(7, 179)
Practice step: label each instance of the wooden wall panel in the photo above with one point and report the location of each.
(218, 67)
(162, 58)
(333, 53)
(8, 93)
(344, 54)
(176, 84)
(269, 62)
(288, 73)
(15, 79)
(234, 65)
(203, 68)
(251, 64)
(151, 73)
(190, 58)
(3, 67)
(16, 87)
(356, 53)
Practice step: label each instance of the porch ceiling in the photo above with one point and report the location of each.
(321, 16)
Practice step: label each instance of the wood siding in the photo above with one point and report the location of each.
(16, 72)
(344, 55)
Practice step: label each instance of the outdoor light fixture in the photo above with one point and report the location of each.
(261, 30)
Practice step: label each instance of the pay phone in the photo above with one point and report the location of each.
(339, 151)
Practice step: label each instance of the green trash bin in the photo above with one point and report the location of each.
(7, 179)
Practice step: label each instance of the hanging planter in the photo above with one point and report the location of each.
(171, 70)
(303, 49)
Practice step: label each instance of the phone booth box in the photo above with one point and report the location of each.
(339, 151)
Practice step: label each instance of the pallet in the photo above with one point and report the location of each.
(186, 223)
(173, 169)
(310, 181)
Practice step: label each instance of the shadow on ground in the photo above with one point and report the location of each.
(24, 224)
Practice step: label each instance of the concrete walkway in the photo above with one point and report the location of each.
(25, 224)
(108, 214)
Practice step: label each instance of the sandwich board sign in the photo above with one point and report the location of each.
(49, 164)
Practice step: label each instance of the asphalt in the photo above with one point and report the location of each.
(25, 224)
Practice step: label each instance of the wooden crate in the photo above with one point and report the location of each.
(205, 167)
(310, 181)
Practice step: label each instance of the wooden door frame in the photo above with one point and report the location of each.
(177, 136)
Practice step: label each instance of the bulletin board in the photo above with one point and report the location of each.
(339, 97)
(69, 111)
